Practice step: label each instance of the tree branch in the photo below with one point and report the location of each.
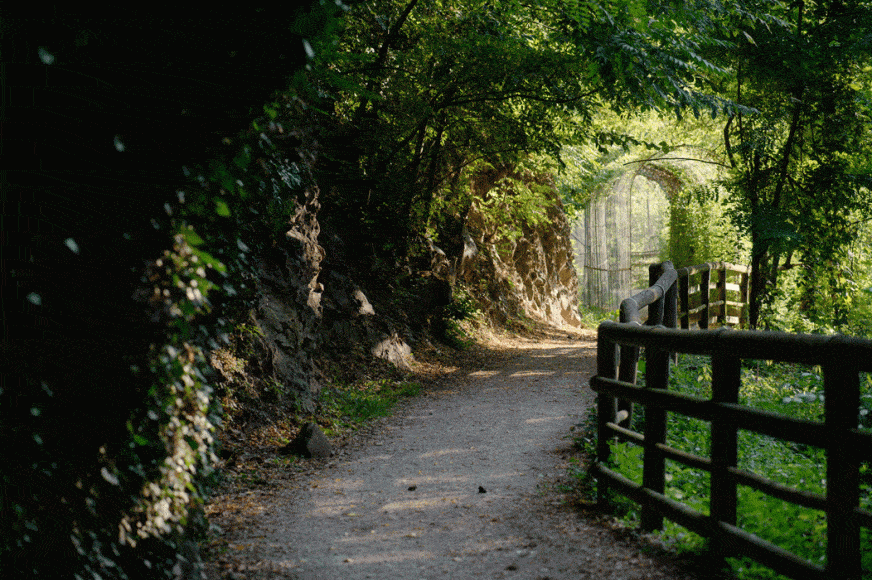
(383, 53)
(727, 142)
(678, 159)
(528, 97)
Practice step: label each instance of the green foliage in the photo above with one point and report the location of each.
(120, 495)
(462, 309)
(419, 97)
(518, 200)
(623, 142)
(462, 306)
(800, 171)
(699, 228)
(840, 300)
(591, 316)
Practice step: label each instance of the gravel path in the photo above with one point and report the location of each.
(459, 484)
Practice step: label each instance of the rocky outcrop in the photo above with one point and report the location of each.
(532, 275)
(315, 299)
(290, 327)
(361, 316)
(288, 297)
(308, 302)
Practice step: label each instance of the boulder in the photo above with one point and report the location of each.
(395, 350)
(310, 442)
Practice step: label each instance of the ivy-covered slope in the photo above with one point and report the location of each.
(119, 240)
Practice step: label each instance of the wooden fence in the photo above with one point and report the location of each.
(842, 360)
(728, 306)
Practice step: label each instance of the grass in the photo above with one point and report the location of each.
(792, 390)
(591, 316)
(349, 406)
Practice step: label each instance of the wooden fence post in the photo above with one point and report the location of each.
(627, 369)
(705, 278)
(606, 367)
(722, 294)
(670, 311)
(670, 307)
(653, 475)
(684, 300)
(841, 405)
(743, 313)
(655, 310)
(726, 380)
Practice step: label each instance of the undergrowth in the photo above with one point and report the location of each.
(353, 392)
(457, 320)
(791, 390)
(348, 406)
(591, 316)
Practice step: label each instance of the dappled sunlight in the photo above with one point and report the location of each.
(353, 506)
(436, 500)
(540, 420)
(441, 452)
(345, 484)
(377, 458)
(539, 363)
(412, 510)
(425, 479)
(447, 490)
(531, 373)
(394, 556)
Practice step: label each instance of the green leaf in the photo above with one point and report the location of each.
(221, 208)
(190, 236)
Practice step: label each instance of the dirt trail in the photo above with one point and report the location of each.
(459, 484)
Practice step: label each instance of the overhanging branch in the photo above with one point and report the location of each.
(679, 159)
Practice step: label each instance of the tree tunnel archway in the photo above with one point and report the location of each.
(626, 225)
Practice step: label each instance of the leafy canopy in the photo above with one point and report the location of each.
(417, 94)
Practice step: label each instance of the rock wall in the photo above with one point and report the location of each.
(315, 299)
(361, 315)
(532, 275)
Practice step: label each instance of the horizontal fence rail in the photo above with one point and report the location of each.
(842, 359)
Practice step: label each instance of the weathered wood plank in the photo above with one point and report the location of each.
(841, 403)
(804, 498)
(653, 474)
(745, 344)
(726, 379)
